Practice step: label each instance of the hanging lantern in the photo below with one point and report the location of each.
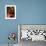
(12, 36)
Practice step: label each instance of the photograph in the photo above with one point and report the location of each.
(10, 12)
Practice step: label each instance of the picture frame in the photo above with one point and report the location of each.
(10, 11)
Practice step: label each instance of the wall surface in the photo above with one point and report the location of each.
(6, 26)
(27, 12)
(31, 11)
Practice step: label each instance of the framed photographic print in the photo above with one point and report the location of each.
(10, 12)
